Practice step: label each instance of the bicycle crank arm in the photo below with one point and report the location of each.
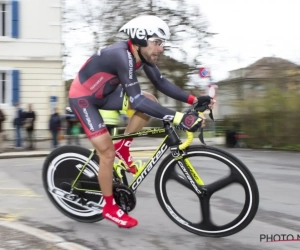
(75, 199)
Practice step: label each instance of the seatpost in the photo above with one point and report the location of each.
(166, 125)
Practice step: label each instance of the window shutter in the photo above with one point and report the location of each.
(15, 18)
(15, 86)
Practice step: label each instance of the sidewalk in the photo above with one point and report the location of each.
(16, 236)
(43, 148)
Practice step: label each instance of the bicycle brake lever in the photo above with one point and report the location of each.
(201, 136)
(211, 115)
(203, 108)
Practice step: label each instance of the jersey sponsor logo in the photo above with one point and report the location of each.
(88, 119)
(101, 125)
(130, 84)
(130, 65)
(83, 103)
(114, 81)
(138, 33)
(97, 133)
(99, 80)
(189, 120)
(132, 98)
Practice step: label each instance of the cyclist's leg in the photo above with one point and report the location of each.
(118, 100)
(87, 113)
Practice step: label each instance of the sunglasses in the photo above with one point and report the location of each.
(157, 41)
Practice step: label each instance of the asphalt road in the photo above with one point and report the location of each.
(278, 178)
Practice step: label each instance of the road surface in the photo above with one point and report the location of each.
(23, 199)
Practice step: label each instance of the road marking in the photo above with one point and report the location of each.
(9, 217)
(44, 235)
(24, 192)
(17, 215)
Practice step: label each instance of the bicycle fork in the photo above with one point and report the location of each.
(192, 177)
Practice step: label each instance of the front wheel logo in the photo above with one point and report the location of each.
(86, 171)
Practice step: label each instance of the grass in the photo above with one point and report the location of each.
(295, 147)
(292, 147)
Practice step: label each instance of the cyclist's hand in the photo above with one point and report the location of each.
(191, 122)
(205, 102)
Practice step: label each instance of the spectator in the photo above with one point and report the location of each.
(55, 127)
(2, 119)
(73, 128)
(18, 123)
(29, 125)
(76, 131)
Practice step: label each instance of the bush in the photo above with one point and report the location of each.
(272, 120)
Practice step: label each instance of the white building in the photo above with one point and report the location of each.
(30, 59)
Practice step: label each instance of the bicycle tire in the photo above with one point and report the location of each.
(160, 182)
(57, 156)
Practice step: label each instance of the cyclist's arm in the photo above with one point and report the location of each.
(166, 87)
(126, 73)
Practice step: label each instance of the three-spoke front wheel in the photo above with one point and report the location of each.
(230, 194)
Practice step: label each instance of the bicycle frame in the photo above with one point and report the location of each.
(171, 140)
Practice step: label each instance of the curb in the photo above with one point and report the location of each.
(30, 154)
(43, 235)
(43, 153)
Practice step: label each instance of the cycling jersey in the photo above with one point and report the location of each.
(108, 81)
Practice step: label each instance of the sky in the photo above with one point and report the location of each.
(247, 30)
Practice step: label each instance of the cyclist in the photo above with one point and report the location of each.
(108, 81)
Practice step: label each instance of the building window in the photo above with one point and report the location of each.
(4, 87)
(4, 19)
(9, 86)
(9, 18)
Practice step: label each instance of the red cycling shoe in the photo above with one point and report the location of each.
(112, 212)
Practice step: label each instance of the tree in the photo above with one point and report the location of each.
(188, 26)
(189, 39)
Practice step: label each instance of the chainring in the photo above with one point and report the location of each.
(123, 195)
